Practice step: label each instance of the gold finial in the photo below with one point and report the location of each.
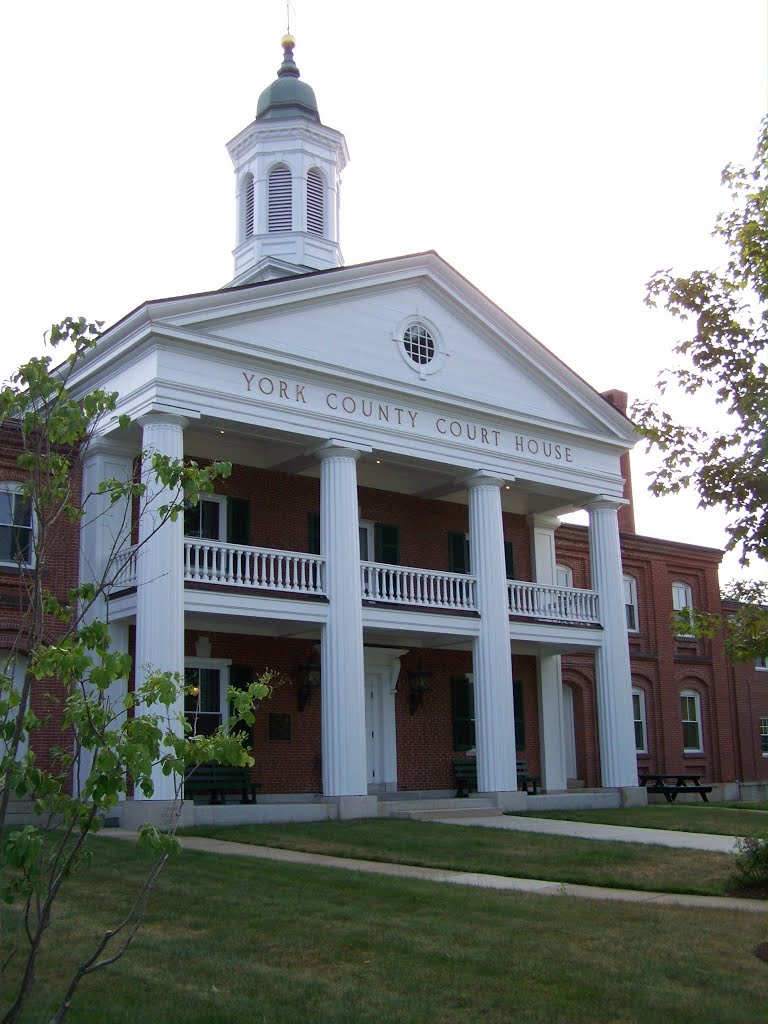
(287, 42)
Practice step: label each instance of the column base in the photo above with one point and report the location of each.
(350, 807)
(163, 814)
(512, 800)
(632, 796)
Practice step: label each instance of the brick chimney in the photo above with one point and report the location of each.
(618, 399)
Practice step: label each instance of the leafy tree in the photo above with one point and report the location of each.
(725, 313)
(71, 676)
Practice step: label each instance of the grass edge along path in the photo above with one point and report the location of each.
(558, 859)
(710, 819)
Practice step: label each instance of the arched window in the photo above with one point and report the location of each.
(630, 603)
(16, 547)
(682, 600)
(315, 203)
(248, 205)
(638, 713)
(280, 199)
(690, 713)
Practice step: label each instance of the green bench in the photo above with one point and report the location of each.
(465, 771)
(219, 779)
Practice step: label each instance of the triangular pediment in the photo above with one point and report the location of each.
(347, 327)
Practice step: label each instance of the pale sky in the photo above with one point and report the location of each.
(556, 152)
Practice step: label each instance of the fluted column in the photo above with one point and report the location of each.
(549, 670)
(104, 530)
(160, 575)
(491, 654)
(343, 675)
(618, 762)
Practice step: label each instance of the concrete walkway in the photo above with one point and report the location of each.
(481, 881)
(588, 830)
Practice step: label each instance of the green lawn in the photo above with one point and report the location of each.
(229, 939)
(716, 819)
(492, 851)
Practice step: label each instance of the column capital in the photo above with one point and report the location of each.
(605, 501)
(162, 419)
(484, 478)
(544, 521)
(333, 448)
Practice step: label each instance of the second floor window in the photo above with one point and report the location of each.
(16, 545)
(682, 601)
(630, 603)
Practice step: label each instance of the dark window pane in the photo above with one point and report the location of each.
(6, 508)
(209, 519)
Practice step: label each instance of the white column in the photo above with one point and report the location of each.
(618, 762)
(343, 673)
(491, 654)
(104, 529)
(160, 572)
(550, 683)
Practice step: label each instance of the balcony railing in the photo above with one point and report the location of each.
(398, 584)
(296, 572)
(557, 604)
(233, 565)
(125, 569)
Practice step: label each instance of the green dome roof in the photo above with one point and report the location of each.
(287, 96)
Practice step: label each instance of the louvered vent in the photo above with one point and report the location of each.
(315, 219)
(248, 205)
(280, 200)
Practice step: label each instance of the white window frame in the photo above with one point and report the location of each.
(630, 601)
(696, 697)
(221, 501)
(682, 598)
(437, 362)
(16, 488)
(222, 665)
(563, 576)
(764, 735)
(640, 707)
(367, 527)
(761, 663)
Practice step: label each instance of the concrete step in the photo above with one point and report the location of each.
(445, 815)
(445, 806)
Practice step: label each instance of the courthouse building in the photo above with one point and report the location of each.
(389, 539)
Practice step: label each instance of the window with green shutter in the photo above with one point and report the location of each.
(509, 559)
(463, 706)
(313, 539)
(240, 676)
(238, 521)
(458, 552)
(387, 544)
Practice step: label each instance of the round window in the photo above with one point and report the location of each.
(419, 344)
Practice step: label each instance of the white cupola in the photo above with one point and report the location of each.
(287, 175)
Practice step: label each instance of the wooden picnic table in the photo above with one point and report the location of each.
(672, 783)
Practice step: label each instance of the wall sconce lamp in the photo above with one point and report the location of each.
(418, 682)
(309, 680)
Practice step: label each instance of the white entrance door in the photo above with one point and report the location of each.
(569, 733)
(382, 668)
(374, 730)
